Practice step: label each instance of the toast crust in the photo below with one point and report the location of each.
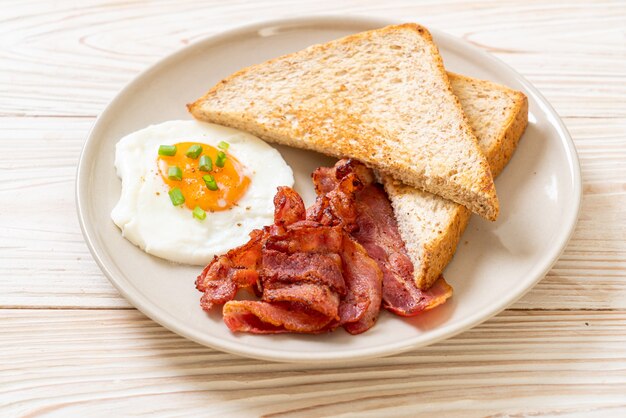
(310, 133)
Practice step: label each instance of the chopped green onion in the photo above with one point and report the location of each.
(174, 173)
(194, 151)
(169, 150)
(221, 159)
(205, 163)
(210, 182)
(176, 196)
(198, 213)
(223, 145)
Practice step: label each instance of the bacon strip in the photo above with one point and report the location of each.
(315, 297)
(312, 279)
(317, 268)
(272, 318)
(288, 207)
(336, 207)
(377, 230)
(307, 237)
(359, 310)
(237, 269)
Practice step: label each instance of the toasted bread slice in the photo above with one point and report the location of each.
(382, 97)
(432, 226)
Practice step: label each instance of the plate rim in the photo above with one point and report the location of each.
(538, 270)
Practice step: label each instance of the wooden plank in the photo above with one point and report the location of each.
(46, 56)
(67, 363)
(44, 260)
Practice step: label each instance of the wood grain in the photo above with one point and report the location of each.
(71, 346)
(117, 361)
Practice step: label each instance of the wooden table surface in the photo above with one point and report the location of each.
(70, 345)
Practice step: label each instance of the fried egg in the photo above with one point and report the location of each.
(199, 199)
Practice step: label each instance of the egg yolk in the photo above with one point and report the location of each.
(231, 180)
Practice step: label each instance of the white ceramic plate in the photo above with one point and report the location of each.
(496, 263)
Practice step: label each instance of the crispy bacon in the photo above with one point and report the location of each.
(336, 208)
(235, 270)
(359, 310)
(288, 207)
(238, 269)
(308, 237)
(293, 265)
(317, 268)
(272, 318)
(377, 230)
(333, 265)
(315, 297)
(324, 180)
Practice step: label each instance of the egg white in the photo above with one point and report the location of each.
(146, 215)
